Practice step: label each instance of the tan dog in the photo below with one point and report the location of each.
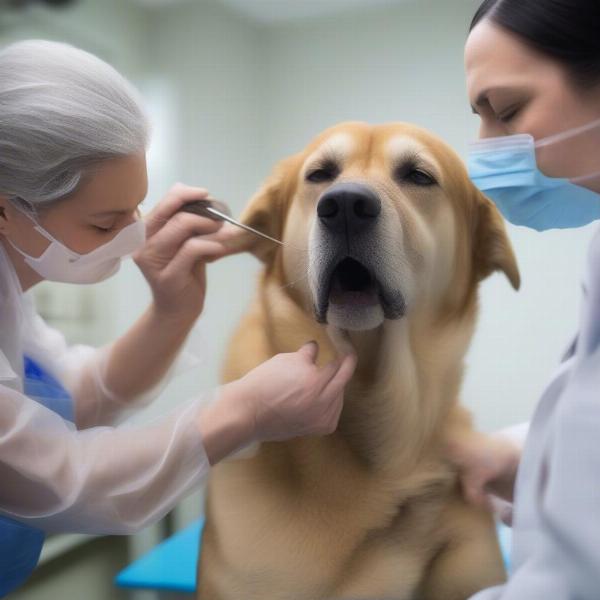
(386, 243)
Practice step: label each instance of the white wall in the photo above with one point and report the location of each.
(400, 63)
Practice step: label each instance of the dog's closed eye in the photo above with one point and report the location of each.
(409, 172)
(324, 173)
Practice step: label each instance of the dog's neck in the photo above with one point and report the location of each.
(406, 383)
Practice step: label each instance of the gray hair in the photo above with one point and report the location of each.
(62, 110)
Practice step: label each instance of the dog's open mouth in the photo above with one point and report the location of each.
(353, 284)
(351, 295)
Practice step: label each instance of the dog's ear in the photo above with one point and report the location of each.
(266, 212)
(492, 250)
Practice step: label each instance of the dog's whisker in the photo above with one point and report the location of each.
(298, 248)
(293, 283)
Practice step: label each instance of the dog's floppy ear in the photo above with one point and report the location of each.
(492, 250)
(266, 212)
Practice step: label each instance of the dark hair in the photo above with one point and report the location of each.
(567, 31)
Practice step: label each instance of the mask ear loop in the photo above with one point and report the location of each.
(37, 227)
(585, 178)
(565, 135)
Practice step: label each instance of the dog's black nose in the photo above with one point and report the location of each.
(348, 206)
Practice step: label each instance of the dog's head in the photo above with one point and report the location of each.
(377, 221)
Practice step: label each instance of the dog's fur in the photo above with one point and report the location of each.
(373, 510)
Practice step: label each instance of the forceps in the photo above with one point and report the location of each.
(219, 211)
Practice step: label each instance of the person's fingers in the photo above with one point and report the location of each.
(176, 197)
(328, 372)
(183, 226)
(310, 351)
(194, 251)
(336, 410)
(456, 452)
(473, 495)
(474, 492)
(506, 516)
(232, 237)
(340, 379)
(463, 451)
(502, 487)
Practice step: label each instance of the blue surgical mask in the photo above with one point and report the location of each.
(505, 169)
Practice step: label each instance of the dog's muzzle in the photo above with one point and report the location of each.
(349, 271)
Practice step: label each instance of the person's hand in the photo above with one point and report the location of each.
(178, 247)
(487, 466)
(287, 396)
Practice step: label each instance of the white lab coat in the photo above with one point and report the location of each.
(99, 478)
(556, 526)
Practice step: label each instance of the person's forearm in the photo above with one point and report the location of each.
(141, 358)
(226, 425)
(104, 480)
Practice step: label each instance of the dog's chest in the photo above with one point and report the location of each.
(329, 539)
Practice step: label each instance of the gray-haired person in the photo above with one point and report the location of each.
(73, 138)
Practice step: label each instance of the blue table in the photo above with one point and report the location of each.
(171, 566)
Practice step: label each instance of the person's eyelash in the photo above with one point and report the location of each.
(103, 229)
(509, 114)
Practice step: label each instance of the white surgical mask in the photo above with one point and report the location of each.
(59, 263)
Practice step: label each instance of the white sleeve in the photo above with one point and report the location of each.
(571, 505)
(84, 375)
(81, 369)
(565, 562)
(104, 480)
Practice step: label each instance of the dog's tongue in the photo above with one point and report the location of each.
(353, 285)
(367, 297)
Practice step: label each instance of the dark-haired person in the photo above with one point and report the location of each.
(533, 76)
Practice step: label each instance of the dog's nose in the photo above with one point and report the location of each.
(348, 206)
